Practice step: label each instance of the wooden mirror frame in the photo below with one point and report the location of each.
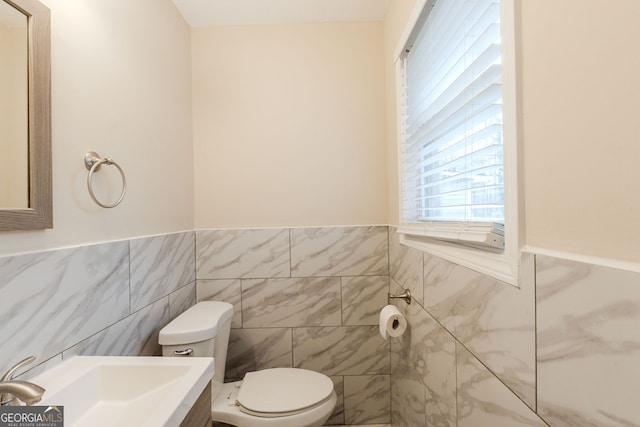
(39, 214)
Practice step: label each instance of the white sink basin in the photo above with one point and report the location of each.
(125, 391)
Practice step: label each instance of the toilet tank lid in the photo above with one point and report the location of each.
(198, 323)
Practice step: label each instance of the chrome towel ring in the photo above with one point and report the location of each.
(93, 162)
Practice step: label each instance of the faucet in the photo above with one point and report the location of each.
(26, 391)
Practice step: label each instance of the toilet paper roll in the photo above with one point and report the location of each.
(392, 322)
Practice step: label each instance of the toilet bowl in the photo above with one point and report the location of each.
(283, 397)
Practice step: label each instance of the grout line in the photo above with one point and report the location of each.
(292, 358)
(129, 268)
(195, 258)
(290, 255)
(388, 251)
(455, 355)
(241, 303)
(341, 303)
(535, 330)
(290, 277)
(388, 300)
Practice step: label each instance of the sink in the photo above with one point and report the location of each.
(125, 391)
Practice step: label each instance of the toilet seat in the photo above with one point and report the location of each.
(280, 392)
(225, 409)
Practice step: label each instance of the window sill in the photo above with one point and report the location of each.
(503, 266)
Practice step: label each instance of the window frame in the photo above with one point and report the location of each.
(503, 265)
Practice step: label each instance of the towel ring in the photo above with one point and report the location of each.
(93, 162)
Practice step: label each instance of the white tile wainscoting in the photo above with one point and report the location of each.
(306, 298)
(104, 299)
(563, 350)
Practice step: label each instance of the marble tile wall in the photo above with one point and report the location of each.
(588, 344)
(103, 299)
(307, 298)
(562, 350)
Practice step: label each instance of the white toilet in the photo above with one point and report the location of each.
(283, 397)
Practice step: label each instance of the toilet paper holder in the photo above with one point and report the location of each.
(406, 296)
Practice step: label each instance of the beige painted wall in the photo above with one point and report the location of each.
(580, 99)
(289, 125)
(315, 152)
(121, 85)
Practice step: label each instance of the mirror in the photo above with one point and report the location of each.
(14, 119)
(25, 115)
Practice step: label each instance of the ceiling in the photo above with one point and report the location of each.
(208, 13)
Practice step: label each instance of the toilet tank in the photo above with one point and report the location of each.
(201, 331)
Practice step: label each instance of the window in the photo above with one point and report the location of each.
(459, 154)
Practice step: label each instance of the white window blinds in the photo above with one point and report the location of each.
(452, 160)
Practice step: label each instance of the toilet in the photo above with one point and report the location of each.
(283, 397)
